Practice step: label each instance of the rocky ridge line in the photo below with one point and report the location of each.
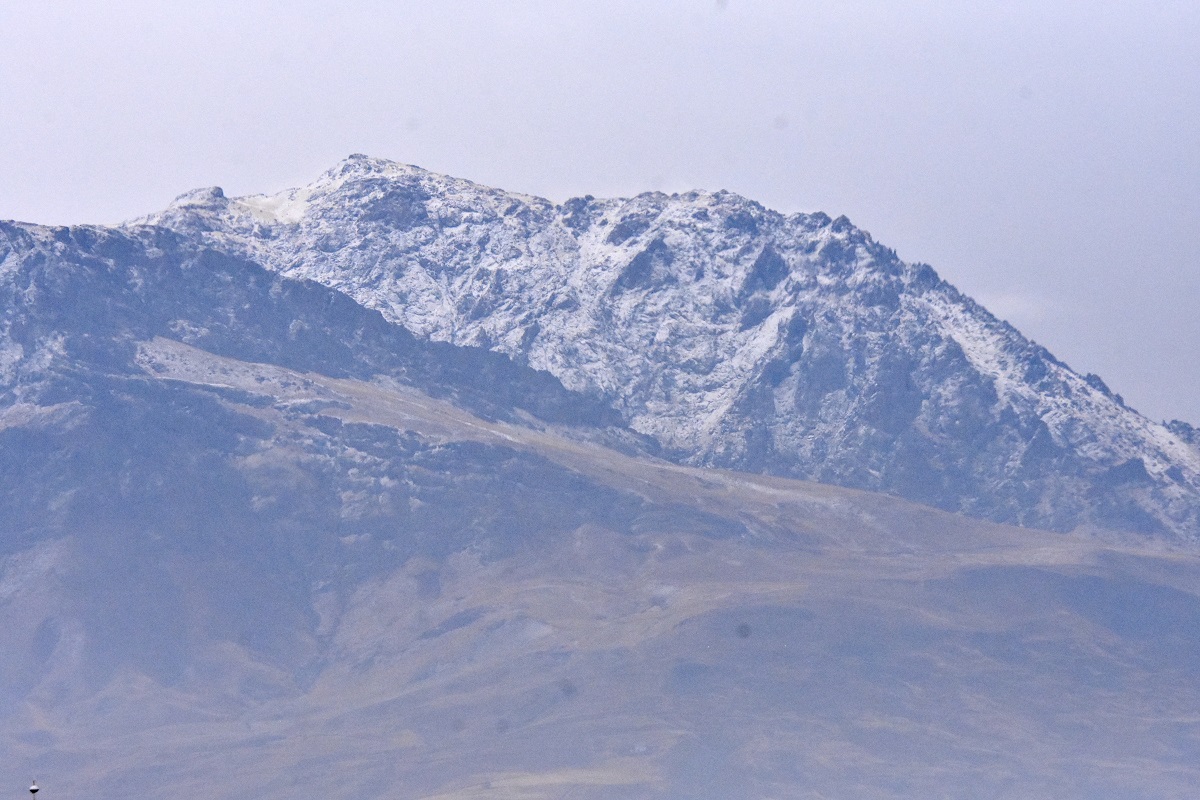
(735, 335)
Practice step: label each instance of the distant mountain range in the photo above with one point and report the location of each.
(733, 335)
(400, 486)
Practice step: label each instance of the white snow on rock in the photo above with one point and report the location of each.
(735, 335)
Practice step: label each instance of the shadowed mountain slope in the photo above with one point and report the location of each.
(76, 300)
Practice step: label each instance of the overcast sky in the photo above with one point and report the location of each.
(1044, 157)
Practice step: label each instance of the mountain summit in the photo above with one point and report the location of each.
(735, 335)
(271, 526)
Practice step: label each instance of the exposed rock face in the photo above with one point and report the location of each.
(257, 539)
(734, 335)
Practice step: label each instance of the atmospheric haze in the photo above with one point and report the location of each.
(1040, 156)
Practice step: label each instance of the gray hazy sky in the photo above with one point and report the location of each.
(1044, 156)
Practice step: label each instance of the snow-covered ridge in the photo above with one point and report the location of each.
(736, 335)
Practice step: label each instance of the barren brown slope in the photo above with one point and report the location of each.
(594, 625)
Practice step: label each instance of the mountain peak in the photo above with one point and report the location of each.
(208, 196)
(358, 165)
(733, 334)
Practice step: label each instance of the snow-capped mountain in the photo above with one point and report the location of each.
(734, 335)
(257, 539)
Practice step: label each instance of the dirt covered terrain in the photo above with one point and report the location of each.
(288, 584)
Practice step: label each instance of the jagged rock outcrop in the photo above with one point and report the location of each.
(734, 335)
